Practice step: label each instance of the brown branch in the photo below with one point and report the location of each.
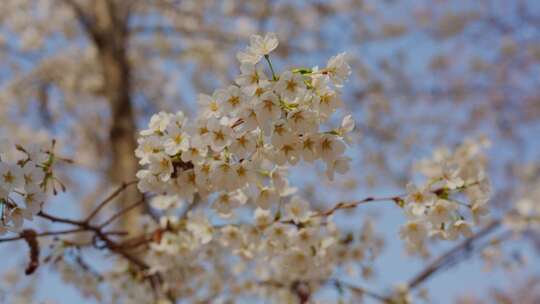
(47, 233)
(506, 235)
(361, 290)
(440, 262)
(56, 219)
(140, 240)
(108, 199)
(109, 244)
(351, 205)
(347, 205)
(336, 282)
(122, 212)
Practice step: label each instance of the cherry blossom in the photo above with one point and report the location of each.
(24, 183)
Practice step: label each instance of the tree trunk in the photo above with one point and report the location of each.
(123, 164)
(106, 23)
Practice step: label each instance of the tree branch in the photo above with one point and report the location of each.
(440, 262)
(360, 290)
(122, 212)
(47, 233)
(109, 199)
(350, 205)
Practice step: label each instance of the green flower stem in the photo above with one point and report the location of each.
(271, 67)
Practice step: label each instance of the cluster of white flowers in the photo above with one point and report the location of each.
(246, 134)
(236, 154)
(452, 199)
(23, 183)
(192, 253)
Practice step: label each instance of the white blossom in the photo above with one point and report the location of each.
(259, 47)
(298, 210)
(290, 86)
(338, 69)
(251, 78)
(11, 177)
(414, 231)
(177, 140)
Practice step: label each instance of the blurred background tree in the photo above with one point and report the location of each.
(425, 73)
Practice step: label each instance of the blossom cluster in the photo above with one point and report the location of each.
(246, 135)
(23, 184)
(452, 199)
(261, 254)
(235, 154)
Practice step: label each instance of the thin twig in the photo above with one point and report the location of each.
(336, 282)
(350, 205)
(108, 199)
(56, 219)
(113, 246)
(137, 241)
(47, 233)
(439, 262)
(122, 212)
(361, 290)
(110, 244)
(506, 235)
